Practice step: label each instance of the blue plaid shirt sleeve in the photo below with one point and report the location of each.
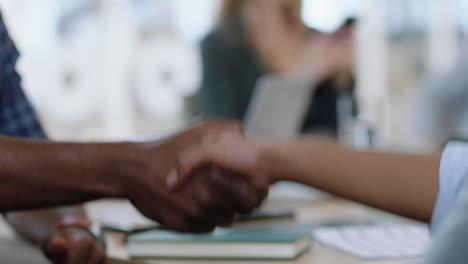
(17, 116)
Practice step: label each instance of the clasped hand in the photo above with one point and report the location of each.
(209, 198)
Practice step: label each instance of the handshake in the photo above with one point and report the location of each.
(192, 182)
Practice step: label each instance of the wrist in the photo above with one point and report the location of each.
(127, 165)
(290, 160)
(270, 160)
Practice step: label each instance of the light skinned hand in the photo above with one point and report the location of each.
(227, 151)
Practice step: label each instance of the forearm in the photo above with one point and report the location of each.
(403, 184)
(37, 225)
(44, 175)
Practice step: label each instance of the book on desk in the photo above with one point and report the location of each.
(261, 243)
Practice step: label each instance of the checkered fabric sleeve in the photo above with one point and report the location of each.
(17, 116)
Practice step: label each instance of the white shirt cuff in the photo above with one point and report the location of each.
(453, 169)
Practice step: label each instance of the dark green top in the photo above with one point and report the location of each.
(230, 73)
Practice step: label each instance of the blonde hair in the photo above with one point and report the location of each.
(229, 9)
(232, 8)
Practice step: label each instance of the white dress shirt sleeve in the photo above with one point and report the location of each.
(453, 169)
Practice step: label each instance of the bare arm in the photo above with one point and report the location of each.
(403, 184)
(43, 175)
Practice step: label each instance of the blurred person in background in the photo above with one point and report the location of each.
(260, 37)
(442, 106)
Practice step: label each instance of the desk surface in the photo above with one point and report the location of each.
(328, 209)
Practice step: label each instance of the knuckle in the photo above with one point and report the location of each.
(246, 209)
(178, 224)
(194, 212)
(261, 188)
(246, 205)
(226, 219)
(251, 205)
(218, 177)
(206, 198)
(169, 220)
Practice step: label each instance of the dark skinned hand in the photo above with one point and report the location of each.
(212, 196)
(74, 246)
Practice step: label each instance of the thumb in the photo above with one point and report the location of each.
(56, 249)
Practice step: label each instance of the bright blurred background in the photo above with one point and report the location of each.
(113, 69)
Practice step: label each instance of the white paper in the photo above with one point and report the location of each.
(376, 242)
(278, 107)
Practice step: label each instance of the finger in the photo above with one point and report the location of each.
(176, 217)
(203, 202)
(235, 155)
(184, 224)
(197, 216)
(236, 191)
(80, 252)
(56, 249)
(198, 228)
(98, 257)
(214, 203)
(225, 218)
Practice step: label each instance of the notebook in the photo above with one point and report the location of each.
(264, 243)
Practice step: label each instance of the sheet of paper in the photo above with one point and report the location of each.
(376, 242)
(278, 107)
